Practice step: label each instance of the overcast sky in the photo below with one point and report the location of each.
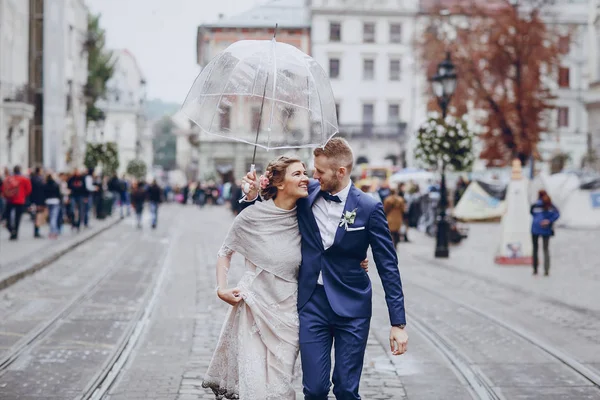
(162, 36)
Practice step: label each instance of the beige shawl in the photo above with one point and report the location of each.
(268, 237)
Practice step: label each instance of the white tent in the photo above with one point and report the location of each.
(416, 175)
(579, 208)
(478, 204)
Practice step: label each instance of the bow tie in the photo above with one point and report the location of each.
(330, 197)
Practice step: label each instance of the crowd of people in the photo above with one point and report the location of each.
(71, 198)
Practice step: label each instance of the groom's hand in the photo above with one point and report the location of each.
(398, 340)
(252, 182)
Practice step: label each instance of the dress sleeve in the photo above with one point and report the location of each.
(223, 263)
(225, 252)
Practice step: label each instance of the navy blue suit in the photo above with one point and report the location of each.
(340, 309)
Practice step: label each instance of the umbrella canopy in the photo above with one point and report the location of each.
(265, 93)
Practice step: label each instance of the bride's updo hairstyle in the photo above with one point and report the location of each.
(275, 174)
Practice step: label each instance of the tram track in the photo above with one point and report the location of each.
(589, 374)
(42, 330)
(481, 383)
(110, 371)
(122, 267)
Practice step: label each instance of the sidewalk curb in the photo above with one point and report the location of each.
(13, 277)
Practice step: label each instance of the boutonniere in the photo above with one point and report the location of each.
(348, 218)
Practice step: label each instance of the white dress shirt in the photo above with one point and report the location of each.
(328, 215)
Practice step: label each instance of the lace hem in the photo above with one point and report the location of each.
(220, 393)
(225, 251)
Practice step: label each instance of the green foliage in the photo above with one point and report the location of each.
(105, 155)
(100, 67)
(164, 143)
(137, 169)
(446, 143)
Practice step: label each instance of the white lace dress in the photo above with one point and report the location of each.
(258, 345)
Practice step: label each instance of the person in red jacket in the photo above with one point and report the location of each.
(15, 190)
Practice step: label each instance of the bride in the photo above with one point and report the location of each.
(258, 345)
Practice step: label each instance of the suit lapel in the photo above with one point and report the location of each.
(351, 204)
(312, 197)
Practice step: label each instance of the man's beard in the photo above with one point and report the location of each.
(332, 186)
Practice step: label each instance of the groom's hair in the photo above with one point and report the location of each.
(339, 150)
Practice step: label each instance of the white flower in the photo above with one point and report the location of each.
(348, 218)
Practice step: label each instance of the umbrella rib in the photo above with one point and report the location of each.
(260, 119)
(273, 44)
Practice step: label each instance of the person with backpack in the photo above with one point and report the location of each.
(15, 189)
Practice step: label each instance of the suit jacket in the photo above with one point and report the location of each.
(347, 285)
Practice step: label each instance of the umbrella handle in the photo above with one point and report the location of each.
(247, 185)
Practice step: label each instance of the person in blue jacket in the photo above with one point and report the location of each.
(544, 215)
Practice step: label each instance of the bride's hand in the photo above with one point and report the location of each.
(364, 264)
(252, 181)
(230, 296)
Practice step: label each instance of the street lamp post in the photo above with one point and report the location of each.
(443, 84)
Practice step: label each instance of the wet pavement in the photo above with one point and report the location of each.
(133, 315)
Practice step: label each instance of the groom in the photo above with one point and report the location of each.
(338, 223)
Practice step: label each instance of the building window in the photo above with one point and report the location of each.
(393, 113)
(563, 77)
(368, 32)
(368, 114)
(368, 69)
(335, 32)
(564, 45)
(334, 68)
(255, 118)
(395, 33)
(394, 70)
(563, 117)
(225, 117)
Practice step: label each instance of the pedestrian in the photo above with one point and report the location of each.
(15, 189)
(38, 201)
(394, 206)
(79, 198)
(138, 197)
(461, 188)
(155, 197)
(53, 197)
(544, 215)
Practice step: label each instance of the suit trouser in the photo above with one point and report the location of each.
(320, 328)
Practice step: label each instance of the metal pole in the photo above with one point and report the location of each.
(443, 228)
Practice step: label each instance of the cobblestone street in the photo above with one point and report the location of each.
(132, 315)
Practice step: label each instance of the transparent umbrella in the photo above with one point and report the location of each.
(264, 93)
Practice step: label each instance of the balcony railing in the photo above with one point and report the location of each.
(18, 93)
(365, 131)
